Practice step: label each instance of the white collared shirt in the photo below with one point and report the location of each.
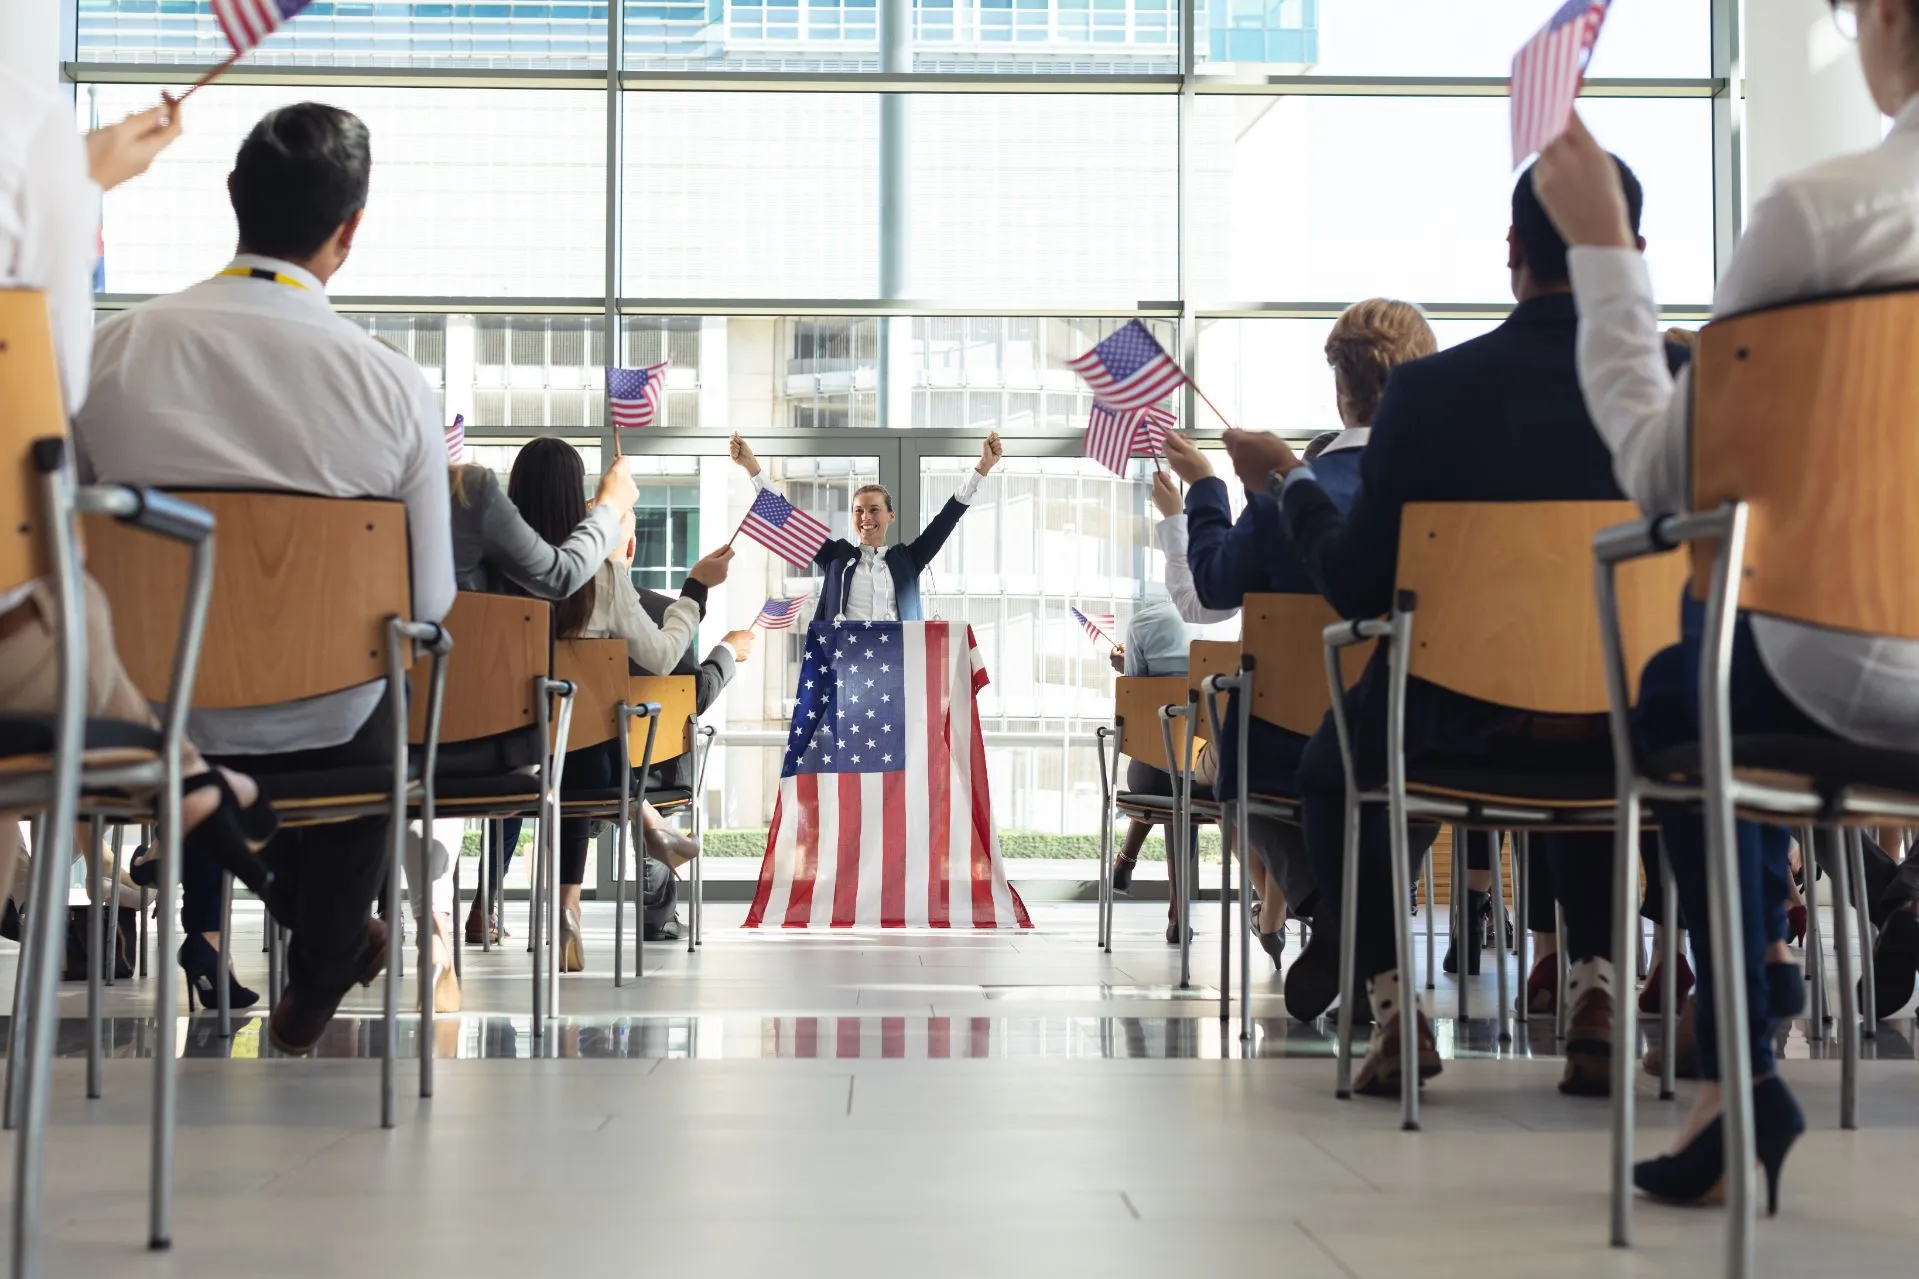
(49, 219)
(239, 382)
(1352, 437)
(1179, 576)
(1844, 226)
(870, 596)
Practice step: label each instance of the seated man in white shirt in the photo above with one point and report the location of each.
(1847, 225)
(874, 582)
(249, 380)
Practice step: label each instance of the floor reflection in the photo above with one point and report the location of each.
(874, 1038)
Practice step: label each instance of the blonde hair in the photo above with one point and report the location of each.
(1367, 343)
(458, 474)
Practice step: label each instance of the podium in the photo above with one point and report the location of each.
(885, 816)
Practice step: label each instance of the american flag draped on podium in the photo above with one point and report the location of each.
(1547, 74)
(884, 817)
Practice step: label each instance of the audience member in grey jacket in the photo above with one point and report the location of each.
(493, 548)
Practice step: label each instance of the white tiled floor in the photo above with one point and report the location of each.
(1041, 1158)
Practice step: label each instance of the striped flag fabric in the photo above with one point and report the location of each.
(884, 818)
(246, 23)
(1149, 435)
(779, 615)
(1547, 74)
(1128, 369)
(456, 440)
(788, 532)
(633, 395)
(1100, 626)
(1110, 438)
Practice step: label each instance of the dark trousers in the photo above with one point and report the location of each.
(1462, 731)
(596, 769)
(328, 875)
(1668, 715)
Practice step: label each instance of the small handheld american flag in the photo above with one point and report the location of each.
(791, 534)
(634, 395)
(1128, 369)
(778, 615)
(456, 440)
(246, 23)
(1149, 437)
(1098, 626)
(1547, 74)
(1113, 438)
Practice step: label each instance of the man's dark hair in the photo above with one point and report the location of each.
(300, 174)
(874, 488)
(1545, 251)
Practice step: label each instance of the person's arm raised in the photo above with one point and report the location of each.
(926, 547)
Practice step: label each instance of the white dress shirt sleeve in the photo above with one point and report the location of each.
(429, 517)
(1641, 410)
(655, 648)
(59, 224)
(968, 490)
(1179, 575)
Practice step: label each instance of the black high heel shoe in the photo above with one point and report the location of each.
(1123, 867)
(1697, 1174)
(232, 835)
(200, 960)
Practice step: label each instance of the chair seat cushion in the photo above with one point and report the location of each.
(331, 783)
(660, 799)
(1150, 804)
(35, 734)
(1542, 786)
(504, 786)
(1829, 764)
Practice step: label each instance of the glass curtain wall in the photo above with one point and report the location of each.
(867, 232)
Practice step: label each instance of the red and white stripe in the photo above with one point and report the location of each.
(1110, 438)
(1547, 74)
(908, 849)
(456, 440)
(1149, 436)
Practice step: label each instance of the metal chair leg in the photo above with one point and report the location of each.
(1562, 1015)
(1625, 1044)
(113, 898)
(1348, 952)
(1869, 992)
(1835, 842)
(222, 984)
(1522, 928)
(1669, 984)
(1462, 946)
(1499, 939)
(23, 981)
(1817, 1002)
(96, 906)
(1432, 965)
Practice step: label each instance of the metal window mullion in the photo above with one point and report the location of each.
(613, 231)
(1728, 131)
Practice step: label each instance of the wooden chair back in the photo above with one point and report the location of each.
(1807, 413)
(500, 648)
(1136, 703)
(30, 409)
(1285, 635)
(303, 588)
(597, 668)
(1505, 608)
(678, 696)
(1204, 659)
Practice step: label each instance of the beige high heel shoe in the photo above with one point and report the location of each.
(572, 948)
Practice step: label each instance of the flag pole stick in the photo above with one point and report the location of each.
(204, 80)
(1209, 404)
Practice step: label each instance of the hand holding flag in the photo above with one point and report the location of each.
(1548, 72)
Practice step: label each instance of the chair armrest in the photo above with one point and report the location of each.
(147, 508)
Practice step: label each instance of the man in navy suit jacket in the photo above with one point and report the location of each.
(873, 581)
(1499, 418)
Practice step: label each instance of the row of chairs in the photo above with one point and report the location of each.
(309, 596)
(1802, 454)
